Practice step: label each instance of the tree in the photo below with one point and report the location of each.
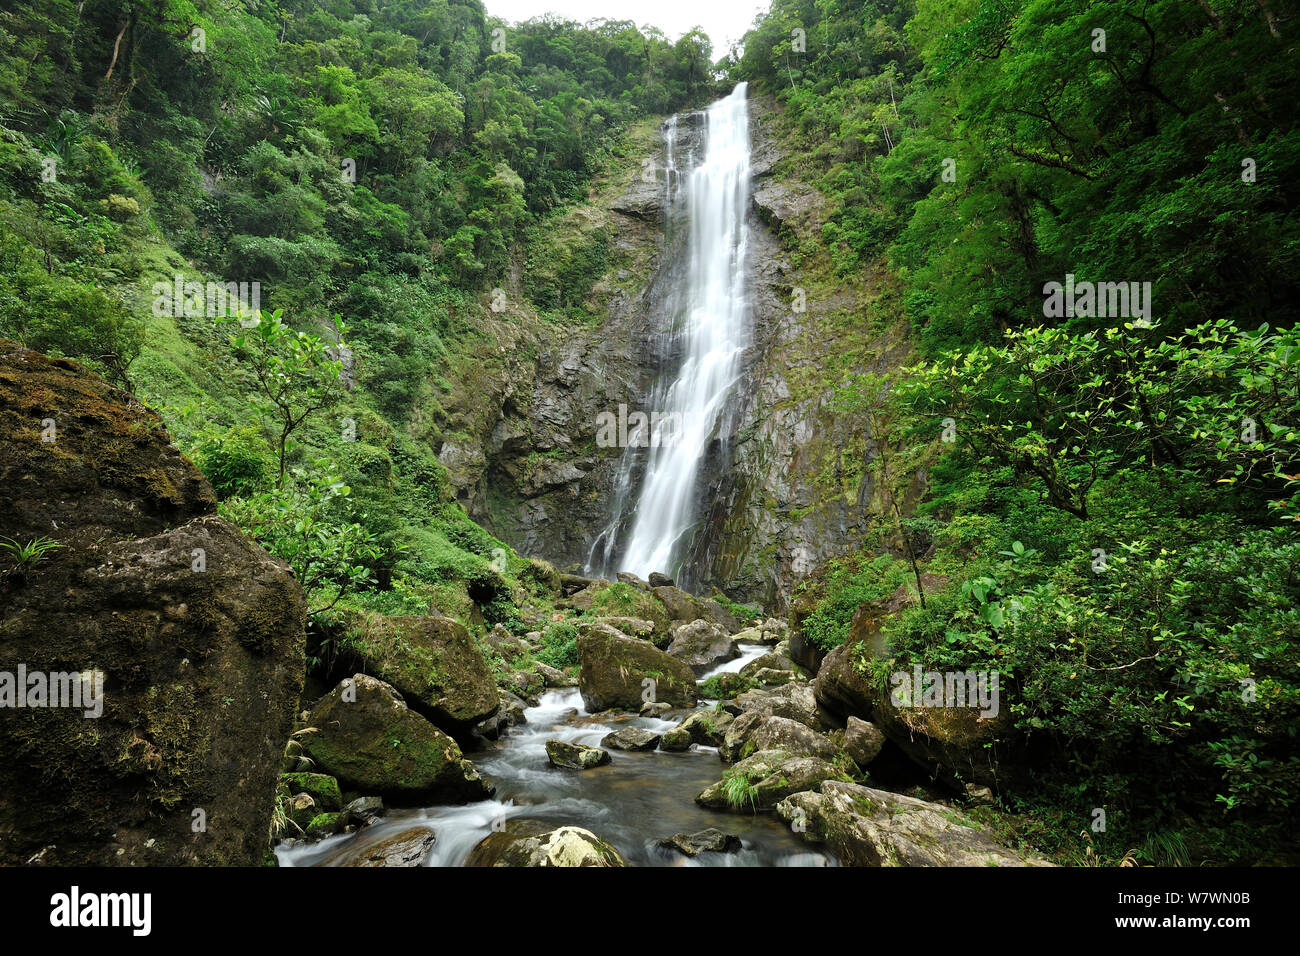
(294, 372)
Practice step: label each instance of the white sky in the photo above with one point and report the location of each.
(725, 21)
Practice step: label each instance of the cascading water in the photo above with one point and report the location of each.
(710, 330)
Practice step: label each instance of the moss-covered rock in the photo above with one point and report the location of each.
(431, 661)
(569, 756)
(867, 827)
(618, 671)
(197, 631)
(322, 788)
(533, 843)
(764, 779)
(363, 733)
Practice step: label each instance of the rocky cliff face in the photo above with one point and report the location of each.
(785, 487)
(189, 635)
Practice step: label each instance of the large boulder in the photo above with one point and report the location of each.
(619, 672)
(631, 738)
(363, 733)
(867, 827)
(703, 645)
(711, 840)
(795, 701)
(534, 843)
(683, 608)
(841, 688)
(764, 779)
(862, 741)
(707, 727)
(431, 661)
(191, 637)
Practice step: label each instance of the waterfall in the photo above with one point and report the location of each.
(708, 329)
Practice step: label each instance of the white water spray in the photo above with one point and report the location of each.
(713, 321)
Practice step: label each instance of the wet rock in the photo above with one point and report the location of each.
(623, 672)
(702, 645)
(326, 824)
(770, 661)
(868, 827)
(658, 580)
(410, 847)
(653, 708)
(575, 756)
(764, 779)
(676, 740)
(628, 577)
(533, 843)
(554, 677)
(631, 738)
(365, 810)
(705, 841)
(523, 684)
(365, 735)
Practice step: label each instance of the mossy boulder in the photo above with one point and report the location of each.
(707, 727)
(431, 661)
(575, 756)
(764, 779)
(534, 843)
(867, 827)
(618, 671)
(676, 740)
(683, 608)
(363, 733)
(322, 788)
(196, 631)
(703, 645)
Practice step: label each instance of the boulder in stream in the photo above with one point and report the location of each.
(868, 827)
(575, 756)
(535, 843)
(409, 847)
(363, 733)
(631, 738)
(764, 779)
(705, 841)
(703, 645)
(621, 672)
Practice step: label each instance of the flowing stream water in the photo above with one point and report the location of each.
(708, 319)
(632, 802)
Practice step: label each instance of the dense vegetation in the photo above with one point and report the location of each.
(1113, 498)
(1112, 503)
(379, 169)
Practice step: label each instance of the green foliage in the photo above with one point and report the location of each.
(559, 645)
(237, 461)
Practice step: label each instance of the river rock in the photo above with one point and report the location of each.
(792, 737)
(655, 708)
(684, 608)
(409, 847)
(769, 776)
(197, 631)
(769, 661)
(553, 676)
(365, 810)
(676, 740)
(862, 741)
(705, 841)
(623, 672)
(868, 827)
(658, 580)
(431, 661)
(375, 744)
(631, 738)
(702, 645)
(575, 756)
(795, 700)
(533, 843)
(707, 727)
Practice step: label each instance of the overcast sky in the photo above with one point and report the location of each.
(725, 21)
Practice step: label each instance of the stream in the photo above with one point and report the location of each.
(632, 802)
